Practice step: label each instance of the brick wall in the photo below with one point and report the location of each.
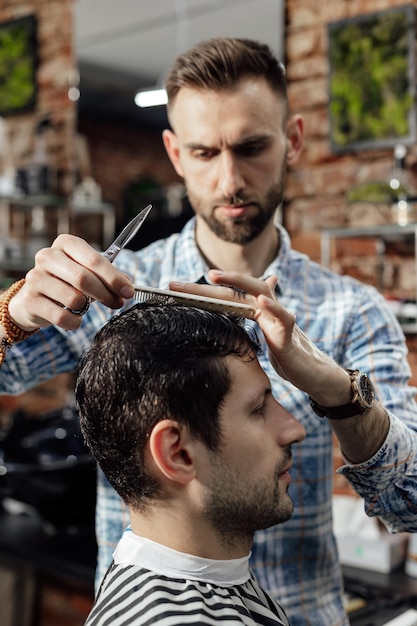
(317, 186)
(56, 73)
(121, 155)
(316, 190)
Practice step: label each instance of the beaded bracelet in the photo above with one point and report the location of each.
(13, 332)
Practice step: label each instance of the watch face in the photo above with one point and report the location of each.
(366, 390)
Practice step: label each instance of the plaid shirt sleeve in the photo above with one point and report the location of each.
(388, 481)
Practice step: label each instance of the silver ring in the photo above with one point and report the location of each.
(84, 309)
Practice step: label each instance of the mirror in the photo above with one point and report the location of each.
(372, 80)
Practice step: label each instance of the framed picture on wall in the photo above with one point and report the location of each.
(372, 80)
(18, 65)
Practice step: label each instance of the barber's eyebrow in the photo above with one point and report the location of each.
(254, 138)
(238, 144)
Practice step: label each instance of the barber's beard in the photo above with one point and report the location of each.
(244, 229)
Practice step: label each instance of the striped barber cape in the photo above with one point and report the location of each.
(148, 584)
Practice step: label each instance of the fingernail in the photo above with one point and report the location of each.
(174, 284)
(217, 272)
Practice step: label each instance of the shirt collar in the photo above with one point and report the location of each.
(280, 265)
(191, 266)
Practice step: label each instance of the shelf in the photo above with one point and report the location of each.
(387, 232)
(44, 200)
(92, 208)
(384, 233)
(58, 215)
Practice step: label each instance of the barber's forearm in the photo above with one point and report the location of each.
(361, 436)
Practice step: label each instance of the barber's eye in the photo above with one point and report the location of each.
(203, 154)
(252, 149)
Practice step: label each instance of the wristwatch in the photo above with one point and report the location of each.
(363, 398)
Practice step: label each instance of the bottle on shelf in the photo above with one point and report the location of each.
(39, 177)
(404, 205)
(37, 236)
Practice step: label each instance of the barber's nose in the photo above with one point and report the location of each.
(231, 180)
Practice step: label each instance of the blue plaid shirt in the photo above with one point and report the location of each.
(296, 562)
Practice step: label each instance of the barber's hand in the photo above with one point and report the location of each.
(291, 352)
(61, 276)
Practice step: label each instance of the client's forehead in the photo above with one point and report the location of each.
(248, 381)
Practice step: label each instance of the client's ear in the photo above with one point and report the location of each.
(172, 450)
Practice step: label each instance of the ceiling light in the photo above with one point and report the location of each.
(151, 98)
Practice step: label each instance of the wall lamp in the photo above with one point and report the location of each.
(151, 98)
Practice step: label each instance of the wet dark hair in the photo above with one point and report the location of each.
(221, 62)
(148, 363)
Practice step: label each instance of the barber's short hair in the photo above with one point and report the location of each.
(152, 362)
(221, 62)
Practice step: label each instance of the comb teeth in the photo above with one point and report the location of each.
(164, 296)
(140, 296)
(144, 296)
